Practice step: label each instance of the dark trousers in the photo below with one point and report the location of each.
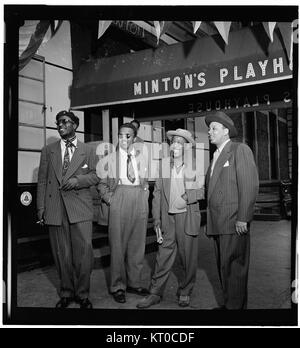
(175, 239)
(72, 250)
(233, 254)
(128, 217)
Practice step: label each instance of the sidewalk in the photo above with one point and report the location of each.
(269, 276)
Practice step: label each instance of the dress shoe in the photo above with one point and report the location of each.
(85, 303)
(64, 302)
(184, 300)
(148, 301)
(138, 291)
(119, 296)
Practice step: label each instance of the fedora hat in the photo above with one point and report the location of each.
(224, 119)
(181, 133)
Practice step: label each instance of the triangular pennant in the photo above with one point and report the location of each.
(102, 27)
(196, 26)
(286, 31)
(223, 28)
(161, 27)
(54, 27)
(269, 28)
(157, 26)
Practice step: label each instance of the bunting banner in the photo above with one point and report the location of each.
(102, 27)
(286, 31)
(269, 28)
(196, 26)
(223, 28)
(35, 40)
(25, 33)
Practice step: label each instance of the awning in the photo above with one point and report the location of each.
(198, 66)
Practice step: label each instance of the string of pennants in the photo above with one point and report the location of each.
(35, 33)
(161, 27)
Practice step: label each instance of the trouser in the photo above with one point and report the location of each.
(175, 238)
(232, 254)
(128, 217)
(72, 250)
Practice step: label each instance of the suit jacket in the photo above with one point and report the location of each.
(161, 198)
(78, 202)
(108, 171)
(232, 189)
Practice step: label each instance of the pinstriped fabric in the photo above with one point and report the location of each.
(72, 251)
(231, 190)
(231, 193)
(233, 255)
(78, 202)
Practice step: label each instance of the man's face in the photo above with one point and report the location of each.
(217, 133)
(66, 127)
(177, 146)
(126, 138)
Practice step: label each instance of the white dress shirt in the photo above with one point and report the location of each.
(217, 153)
(123, 168)
(70, 149)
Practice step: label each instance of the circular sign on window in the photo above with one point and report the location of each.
(26, 198)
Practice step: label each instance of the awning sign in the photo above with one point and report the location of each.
(212, 78)
(182, 69)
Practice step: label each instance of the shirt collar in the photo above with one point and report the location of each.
(125, 153)
(63, 142)
(223, 145)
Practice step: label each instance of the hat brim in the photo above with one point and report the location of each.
(215, 118)
(171, 134)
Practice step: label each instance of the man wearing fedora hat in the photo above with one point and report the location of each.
(64, 203)
(175, 209)
(231, 186)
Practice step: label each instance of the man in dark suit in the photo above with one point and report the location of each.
(232, 186)
(64, 203)
(124, 188)
(175, 209)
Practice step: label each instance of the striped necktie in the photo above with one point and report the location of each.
(67, 160)
(130, 170)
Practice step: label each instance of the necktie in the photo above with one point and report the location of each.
(66, 163)
(130, 170)
(215, 157)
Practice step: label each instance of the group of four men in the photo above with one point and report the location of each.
(64, 203)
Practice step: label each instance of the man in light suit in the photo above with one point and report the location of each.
(124, 188)
(64, 203)
(175, 209)
(232, 186)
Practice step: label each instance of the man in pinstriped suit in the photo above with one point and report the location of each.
(64, 203)
(232, 186)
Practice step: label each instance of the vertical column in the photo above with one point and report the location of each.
(115, 127)
(105, 125)
(290, 138)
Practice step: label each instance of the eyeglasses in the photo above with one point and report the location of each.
(63, 122)
(127, 136)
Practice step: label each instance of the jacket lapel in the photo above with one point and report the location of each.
(218, 168)
(56, 160)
